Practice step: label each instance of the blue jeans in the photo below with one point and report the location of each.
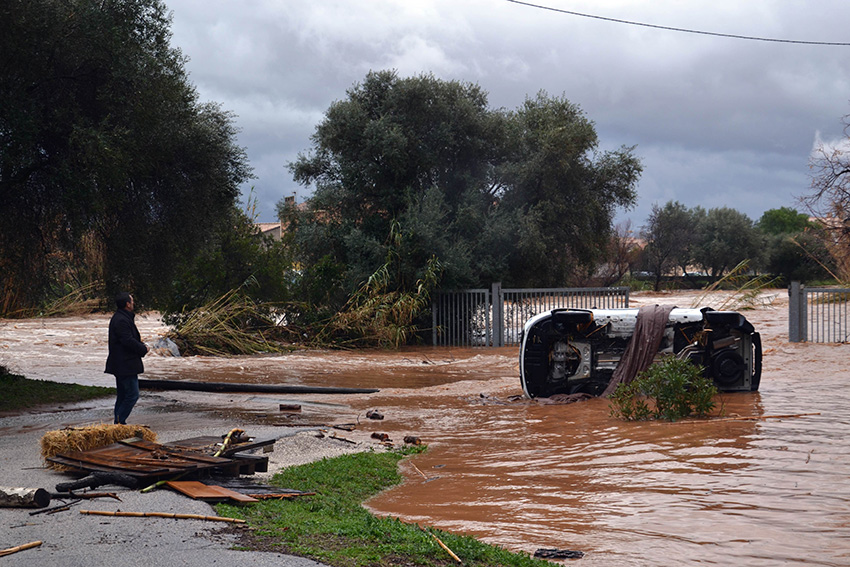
(128, 395)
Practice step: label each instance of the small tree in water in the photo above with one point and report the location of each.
(670, 389)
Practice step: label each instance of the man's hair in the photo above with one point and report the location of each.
(122, 299)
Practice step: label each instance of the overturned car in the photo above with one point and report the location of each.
(578, 351)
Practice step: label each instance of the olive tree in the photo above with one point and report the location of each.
(726, 237)
(523, 197)
(670, 234)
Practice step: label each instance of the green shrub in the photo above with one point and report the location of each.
(670, 389)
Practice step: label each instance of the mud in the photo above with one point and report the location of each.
(527, 475)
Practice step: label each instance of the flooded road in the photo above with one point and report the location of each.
(526, 475)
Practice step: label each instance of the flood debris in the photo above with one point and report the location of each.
(748, 418)
(440, 543)
(17, 548)
(97, 479)
(343, 439)
(208, 492)
(162, 515)
(249, 486)
(383, 437)
(546, 553)
(233, 436)
(147, 462)
(146, 384)
(85, 495)
(281, 495)
(427, 478)
(412, 440)
(60, 508)
(14, 497)
(374, 414)
(164, 346)
(290, 407)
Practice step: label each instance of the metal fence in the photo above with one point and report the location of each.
(818, 314)
(496, 316)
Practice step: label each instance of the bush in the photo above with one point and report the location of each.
(670, 389)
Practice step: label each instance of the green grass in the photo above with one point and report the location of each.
(332, 527)
(20, 393)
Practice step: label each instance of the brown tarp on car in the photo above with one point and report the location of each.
(642, 347)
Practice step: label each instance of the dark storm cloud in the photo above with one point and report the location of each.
(717, 121)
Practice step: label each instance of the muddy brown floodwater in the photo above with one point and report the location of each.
(524, 475)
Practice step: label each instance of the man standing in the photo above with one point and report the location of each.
(126, 350)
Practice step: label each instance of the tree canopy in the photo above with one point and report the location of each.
(670, 234)
(714, 241)
(107, 158)
(524, 197)
(783, 220)
(726, 238)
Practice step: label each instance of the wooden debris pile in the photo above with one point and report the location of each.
(149, 462)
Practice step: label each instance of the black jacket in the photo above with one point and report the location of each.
(126, 348)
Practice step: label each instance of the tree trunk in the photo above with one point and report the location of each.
(23, 497)
(145, 384)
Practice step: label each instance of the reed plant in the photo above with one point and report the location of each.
(233, 324)
(379, 313)
(75, 299)
(745, 289)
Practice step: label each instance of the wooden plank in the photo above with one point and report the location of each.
(252, 463)
(181, 453)
(200, 491)
(134, 462)
(212, 444)
(93, 462)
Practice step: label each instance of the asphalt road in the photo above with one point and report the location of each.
(70, 539)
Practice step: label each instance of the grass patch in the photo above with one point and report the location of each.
(332, 527)
(20, 393)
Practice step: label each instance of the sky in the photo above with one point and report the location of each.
(716, 121)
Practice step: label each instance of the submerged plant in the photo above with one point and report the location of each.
(745, 288)
(670, 389)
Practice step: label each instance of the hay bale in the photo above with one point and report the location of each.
(89, 437)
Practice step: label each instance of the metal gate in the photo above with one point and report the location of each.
(496, 316)
(818, 314)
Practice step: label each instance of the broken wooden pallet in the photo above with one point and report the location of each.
(151, 461)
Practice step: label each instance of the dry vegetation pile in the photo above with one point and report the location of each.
(89, 437)
(230, 325)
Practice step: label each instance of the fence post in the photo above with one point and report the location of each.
(796, 313)
(498, 315)
(433, 320)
